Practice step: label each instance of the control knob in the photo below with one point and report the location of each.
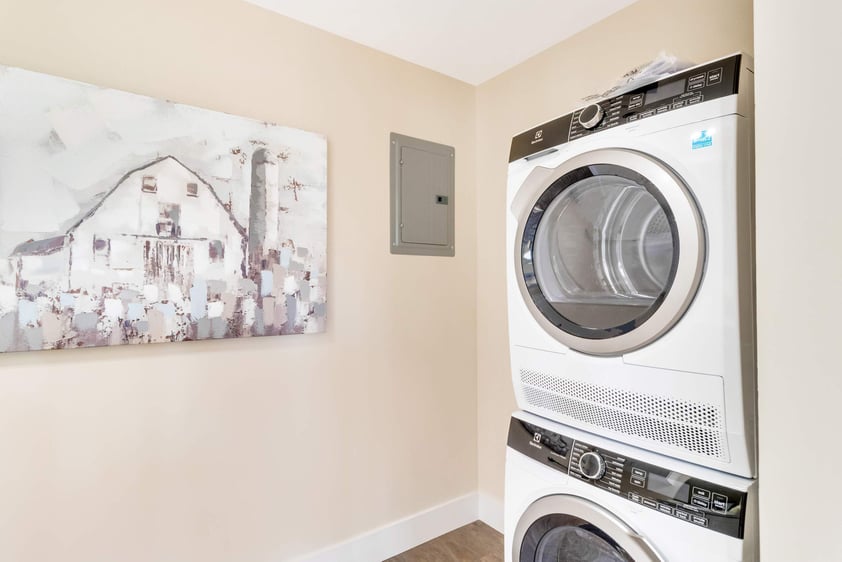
(591, 116)
(591, 465)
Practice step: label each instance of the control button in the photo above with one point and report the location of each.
(650, 503)
(682, 515)
(645, 114)
(699, 520)
(591, 116)
(696, 85)
(662, 109)
(632, 117)
(701, 493)
(640, 482)
(634, 497)
(591, 465)
(715, 76)
(636, 98)
(700, 502)
(694, 100)
(677, 104)
(664, 508)
(719, 503)
(697, 78)
(637, 471)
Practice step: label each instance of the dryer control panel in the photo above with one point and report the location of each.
(694, 501)
(707, 82)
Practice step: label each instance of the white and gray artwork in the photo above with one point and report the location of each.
(126, 219)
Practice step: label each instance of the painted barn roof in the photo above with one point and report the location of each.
(51, 245)
(96, 207)
(43, 247)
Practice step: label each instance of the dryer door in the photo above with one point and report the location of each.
(564, 528)
(610, 250)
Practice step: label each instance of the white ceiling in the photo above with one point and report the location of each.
(471, 40)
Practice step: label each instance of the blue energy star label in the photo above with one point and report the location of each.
(702, 140)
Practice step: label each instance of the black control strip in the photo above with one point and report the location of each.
(691, 500)
(708, 82)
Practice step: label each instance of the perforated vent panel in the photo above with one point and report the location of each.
(692, 426)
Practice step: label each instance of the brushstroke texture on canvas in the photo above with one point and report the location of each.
(125, 219)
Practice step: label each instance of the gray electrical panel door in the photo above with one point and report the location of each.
(422, 189)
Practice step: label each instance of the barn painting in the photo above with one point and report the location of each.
(126, 219)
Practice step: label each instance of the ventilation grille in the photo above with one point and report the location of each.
(691, 426)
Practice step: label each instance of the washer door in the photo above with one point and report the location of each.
(610, 254)
(564, 528)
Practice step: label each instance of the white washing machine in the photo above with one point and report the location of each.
(630, 287)
(571, 496)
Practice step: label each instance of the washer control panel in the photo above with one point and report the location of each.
(682, 497)
(699, 84)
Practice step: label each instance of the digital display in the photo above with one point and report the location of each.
(673, 485)
(663, 91)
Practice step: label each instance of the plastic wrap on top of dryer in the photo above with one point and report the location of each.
(666, 509)
(630, 277)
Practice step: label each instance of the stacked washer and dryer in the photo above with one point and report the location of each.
(631, 327)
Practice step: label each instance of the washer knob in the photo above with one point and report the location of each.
(591, 116)
(591, 465)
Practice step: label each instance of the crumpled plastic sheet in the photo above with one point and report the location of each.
(663, 65)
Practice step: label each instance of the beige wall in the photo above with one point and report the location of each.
(799, 275)
(218, 450)
(257, 449)
(546, 86)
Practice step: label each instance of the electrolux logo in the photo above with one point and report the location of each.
(536, 441)
(539, 136)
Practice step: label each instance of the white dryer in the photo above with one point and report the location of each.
(574, 496)
(630, 281)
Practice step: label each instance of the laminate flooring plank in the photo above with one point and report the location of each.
(475, 542)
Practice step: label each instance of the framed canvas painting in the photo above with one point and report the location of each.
(126, 219)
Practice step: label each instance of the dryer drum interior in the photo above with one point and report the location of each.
(604, 252)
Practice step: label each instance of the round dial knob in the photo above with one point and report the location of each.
(591, 116)
(591, 465)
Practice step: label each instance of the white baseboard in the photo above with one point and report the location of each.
(490, 511)
(392, 539)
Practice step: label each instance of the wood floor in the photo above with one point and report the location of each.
(476, 542)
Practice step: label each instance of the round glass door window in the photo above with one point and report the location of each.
(566, 528)
(599, 251)
(566, 538)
